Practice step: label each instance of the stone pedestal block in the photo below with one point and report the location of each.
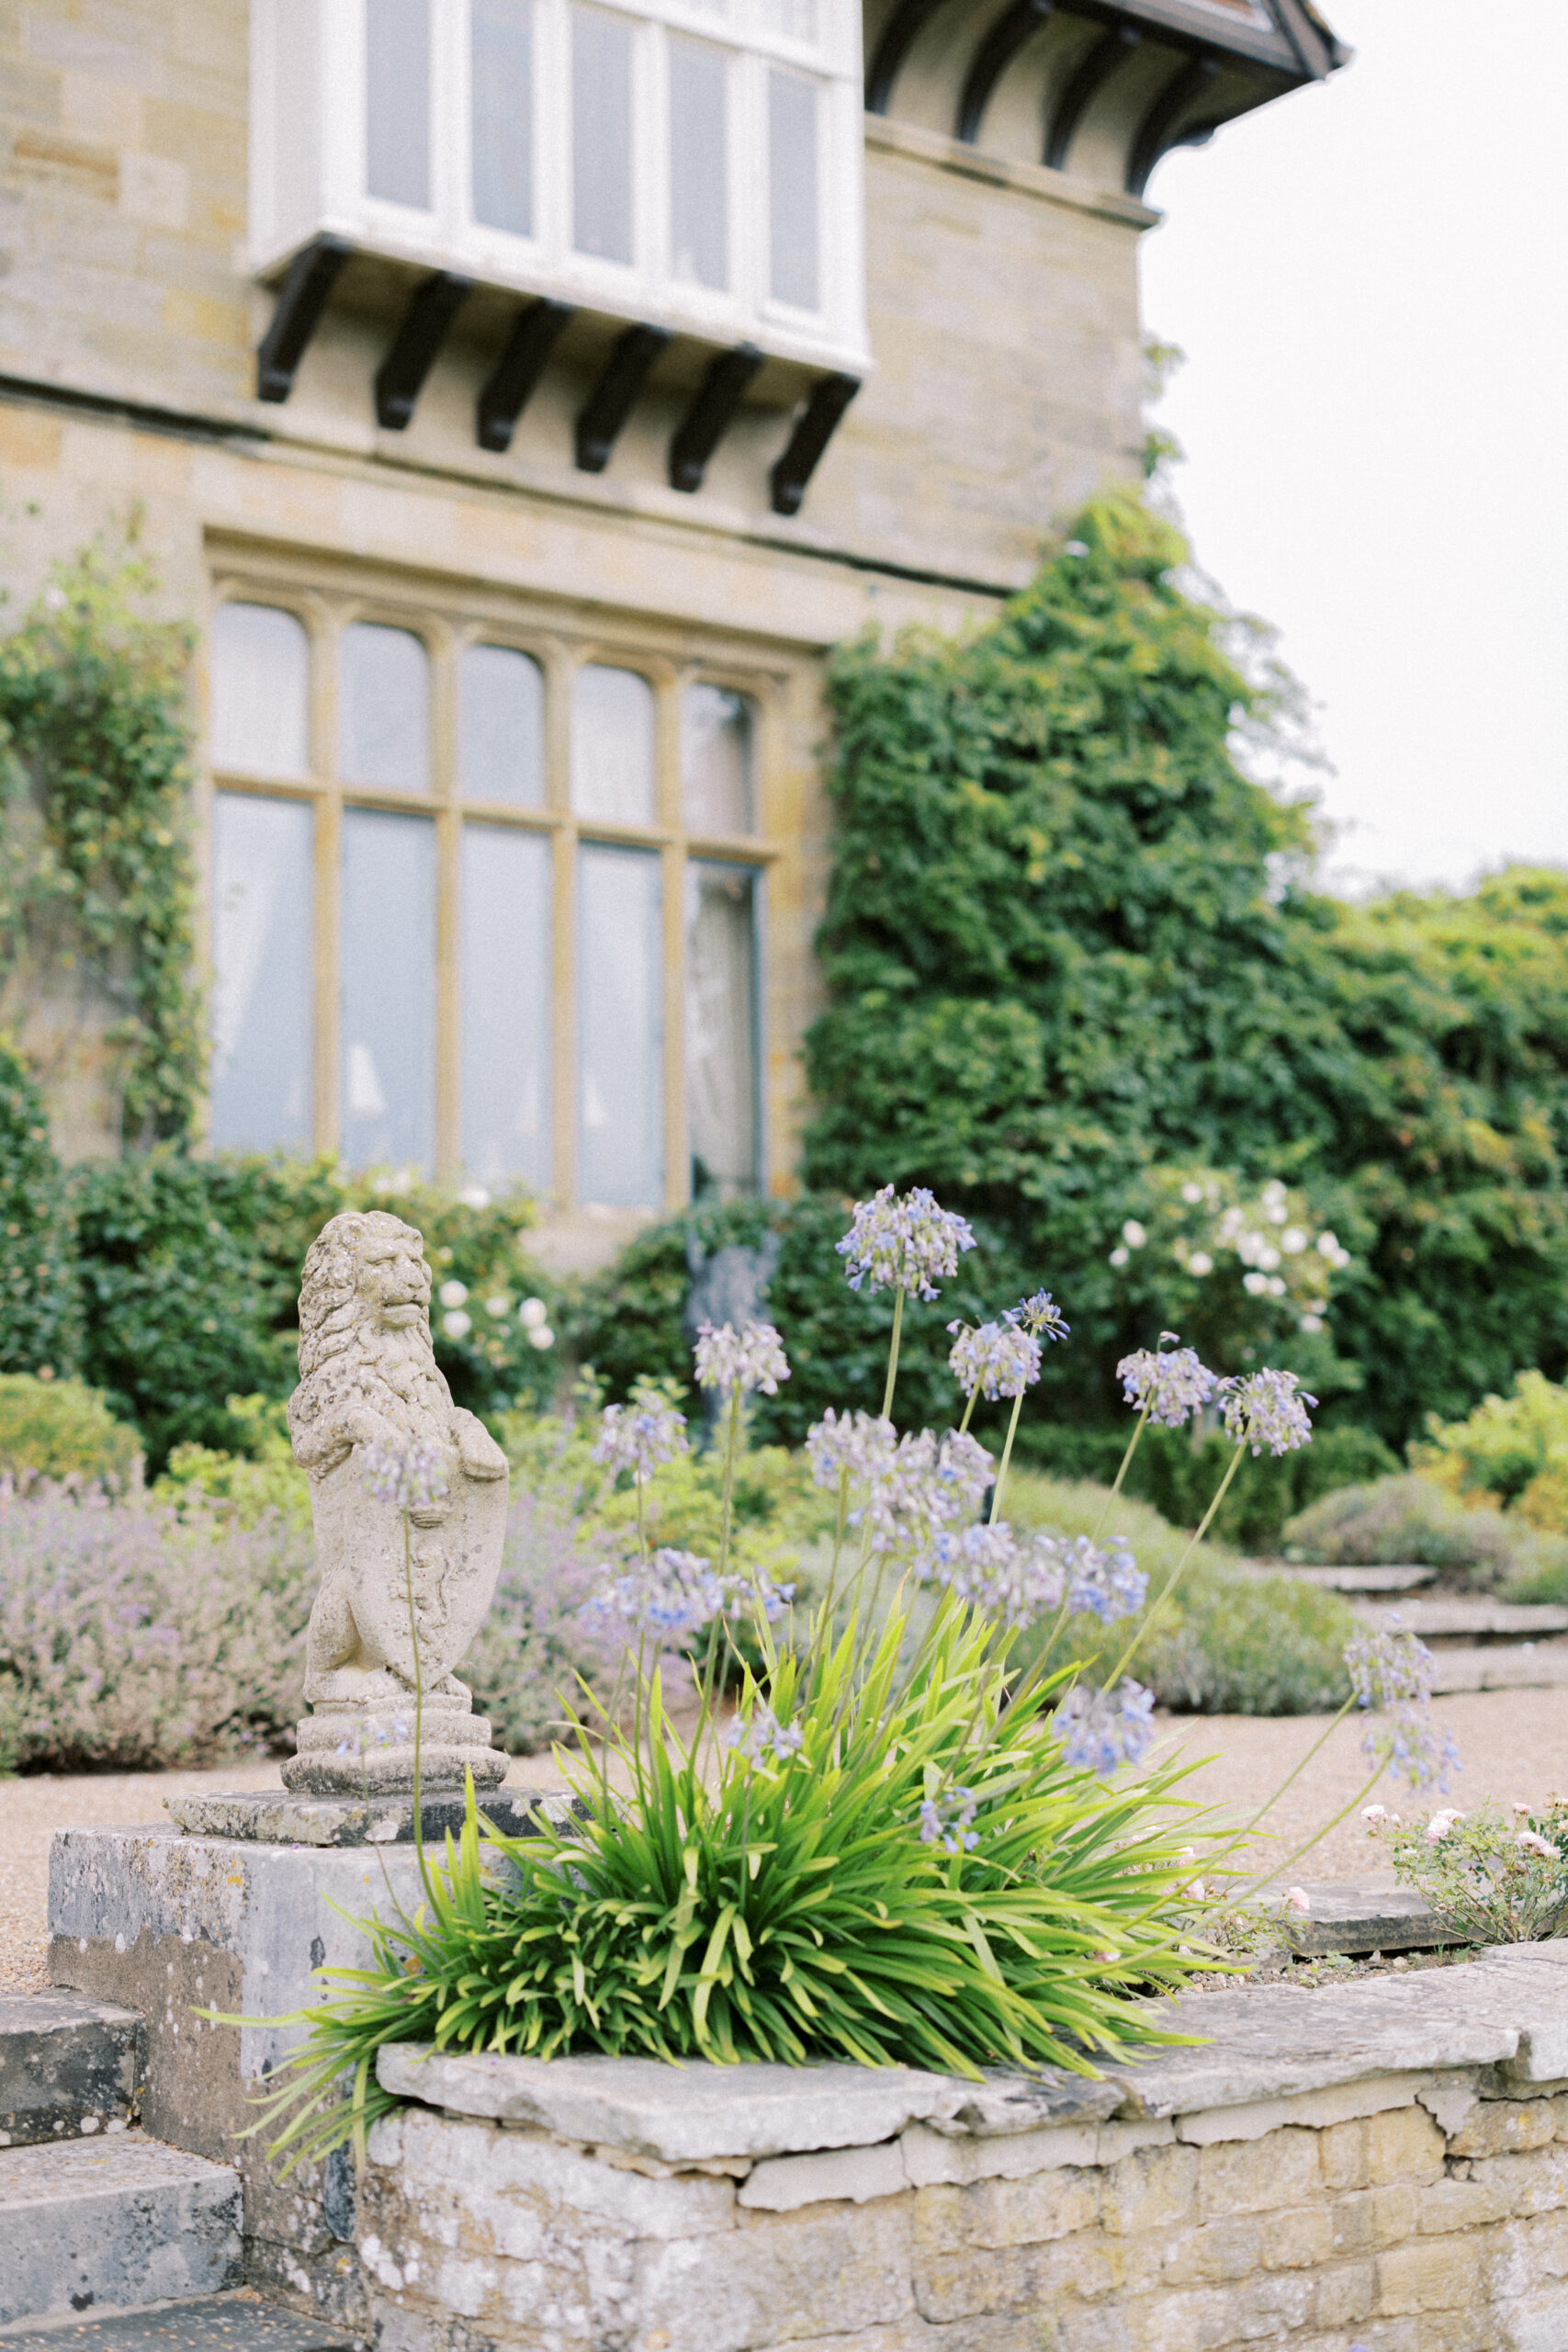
(170, 1923)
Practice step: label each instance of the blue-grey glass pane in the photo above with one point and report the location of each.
(612, 765)
(503, 59)
(260, 666)
(263, 923)
(506, 1005)
(699, 191)
(716, 736)
(385, 707)
(397, 101)
(620, 1002)
(500, 751)
(388, 989)
(601, 134)
(792, 190)
(721, 1029)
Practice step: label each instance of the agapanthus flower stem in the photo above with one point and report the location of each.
(968, 1411)
(893, 1354)
(1177, 1573)
(1125, 1466)
(1007, 1457)
(1245, 1832)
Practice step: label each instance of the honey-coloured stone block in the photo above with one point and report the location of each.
(1258, 2176)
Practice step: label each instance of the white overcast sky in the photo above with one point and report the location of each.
(1370, 280)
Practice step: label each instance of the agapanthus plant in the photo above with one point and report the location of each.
(903, 1848)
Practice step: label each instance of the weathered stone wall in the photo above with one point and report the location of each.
(1421, 2209)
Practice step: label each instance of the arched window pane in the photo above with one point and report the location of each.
(260, 691)
(717, 737)
(385, 697)
(602, 134)
(612, 765)
(501, 754)
(699, 172)
(388, 989)
(506, 1005)
(620, 960)
(721, 1029)
(397, 101)
(792, 190)
(502, 60)
(263, 1023)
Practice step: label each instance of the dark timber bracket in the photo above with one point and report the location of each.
(1155, 132)
(898, 36)
(609, 404)
(400, 377)
(516, 376)
(991, 60)
(1083, 87)
(301, 298)
(711, 415)
(818, 421)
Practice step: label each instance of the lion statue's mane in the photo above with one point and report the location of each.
(346, 1356)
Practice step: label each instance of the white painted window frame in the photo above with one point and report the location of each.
(308, 167)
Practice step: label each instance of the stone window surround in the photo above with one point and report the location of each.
(326, 598)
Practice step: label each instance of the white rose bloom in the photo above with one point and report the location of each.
(453, 1293)
(456, 1325)
(533, 1313)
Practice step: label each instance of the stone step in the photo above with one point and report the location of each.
(69, 2067)
(117, 2220)
(241, 2321)
(1530, 1667)
(1391, 1577)
(1361, 1916)
(1462, 1619)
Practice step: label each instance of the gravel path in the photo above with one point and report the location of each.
(1514, 1744)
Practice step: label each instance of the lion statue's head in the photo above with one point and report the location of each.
(364, 1335)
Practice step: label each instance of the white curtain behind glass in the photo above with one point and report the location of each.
(721, 1028)
(500, 702)
(263, 921)
(716, 732)
(397, 101)
(502, 57)
(506, 1005)
(620, 1029)
(259, 660)
(601, 139)
(388, 989)
(613, 764)
(384, 681)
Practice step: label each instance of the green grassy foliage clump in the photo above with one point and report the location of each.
(65, 1430)
(788, 1909)
(1514, 1449)
(1226, 1644)
(1415, 1519)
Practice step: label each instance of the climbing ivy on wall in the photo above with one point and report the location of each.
(95, 775)
(1072, 947)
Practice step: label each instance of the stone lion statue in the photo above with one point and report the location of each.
(369, 1375)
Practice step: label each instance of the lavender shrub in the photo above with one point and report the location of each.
(535, 1642)
(134, 1636)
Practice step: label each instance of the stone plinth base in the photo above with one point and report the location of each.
(369, 1752)
(1382, 2162)
(278, 1817)
(167, 1924)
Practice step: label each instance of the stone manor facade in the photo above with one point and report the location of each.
(522, 397)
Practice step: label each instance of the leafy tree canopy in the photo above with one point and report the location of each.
(1072, 947)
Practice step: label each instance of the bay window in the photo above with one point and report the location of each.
(481, 904)
(694, 164)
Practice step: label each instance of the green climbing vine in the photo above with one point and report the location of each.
(95, 776)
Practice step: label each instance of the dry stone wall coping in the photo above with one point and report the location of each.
(1256, 2053)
